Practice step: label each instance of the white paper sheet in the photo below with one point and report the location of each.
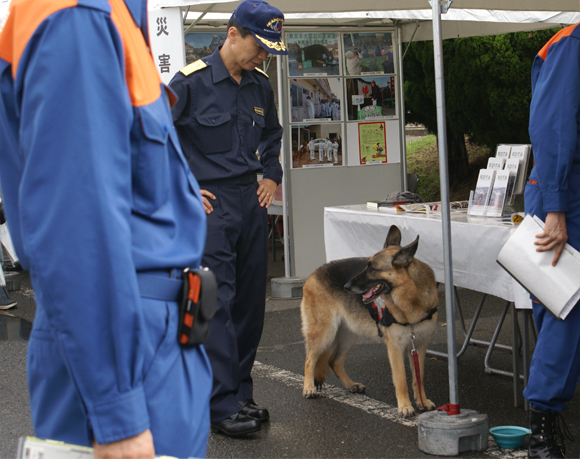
(556, 287)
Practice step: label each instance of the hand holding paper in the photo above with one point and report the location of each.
(556, 287)
(554, 235)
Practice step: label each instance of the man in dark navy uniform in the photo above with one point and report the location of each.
(229, 130)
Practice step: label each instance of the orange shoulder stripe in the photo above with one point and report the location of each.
(143, 81)
(24, 18)
(565, 32)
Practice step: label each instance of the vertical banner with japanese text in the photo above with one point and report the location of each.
(166, 40)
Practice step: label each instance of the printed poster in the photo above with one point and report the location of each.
(372, 143)
(313, 53)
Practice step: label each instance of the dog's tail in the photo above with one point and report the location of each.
(321, 369)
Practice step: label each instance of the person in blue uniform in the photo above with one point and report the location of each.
(553, 193)
(226, 114)
(104, 212)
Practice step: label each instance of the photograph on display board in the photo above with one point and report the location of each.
(315, 99)
(198, 45)
(368, 53)
(372, 139)
(316, 145)
(370, 97)
(312, 54)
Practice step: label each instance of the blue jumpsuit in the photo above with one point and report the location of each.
(555, 186)
(98, 192)
(221, 124)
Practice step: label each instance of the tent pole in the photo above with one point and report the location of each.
(400, 94)
(208, 9)
(284, 162)
(445, 213)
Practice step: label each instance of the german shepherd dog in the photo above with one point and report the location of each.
(333, 314)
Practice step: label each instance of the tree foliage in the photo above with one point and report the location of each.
(487, 90)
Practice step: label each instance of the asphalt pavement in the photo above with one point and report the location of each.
(337, 424)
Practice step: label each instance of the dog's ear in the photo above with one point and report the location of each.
(406, 255)
(394, 236)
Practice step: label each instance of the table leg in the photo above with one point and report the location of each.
(488, 368)
(516, 343)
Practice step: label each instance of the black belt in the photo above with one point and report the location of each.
(157, 285)
(246, 179)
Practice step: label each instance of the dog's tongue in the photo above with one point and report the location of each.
(368, 294)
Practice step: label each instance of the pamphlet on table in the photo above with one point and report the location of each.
(498, 184)
(427, 208)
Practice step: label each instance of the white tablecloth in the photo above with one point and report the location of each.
(357, 231)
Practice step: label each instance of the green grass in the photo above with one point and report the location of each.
(417, 146)
(423, 160)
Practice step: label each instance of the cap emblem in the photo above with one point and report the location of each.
(275, 24)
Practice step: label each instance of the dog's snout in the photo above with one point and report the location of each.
(351, 287)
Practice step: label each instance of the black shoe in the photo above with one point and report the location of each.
(249, 408)
(548, 434)
(237, 425)
(5, 301)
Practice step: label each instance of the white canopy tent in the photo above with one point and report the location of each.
(415, 20)
(465, 18)
(341, 6)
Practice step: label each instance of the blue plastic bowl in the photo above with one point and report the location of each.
(509, 437)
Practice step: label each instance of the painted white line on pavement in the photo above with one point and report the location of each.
(364, 403)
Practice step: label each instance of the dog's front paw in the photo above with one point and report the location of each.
(406, 411)
(429, 405)
(357, 388)
(310, 393)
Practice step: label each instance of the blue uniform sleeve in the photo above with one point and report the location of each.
(554, 115)
(269, 148)
(75, 124)
(180, 86)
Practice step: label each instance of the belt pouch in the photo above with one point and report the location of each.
(197, 306)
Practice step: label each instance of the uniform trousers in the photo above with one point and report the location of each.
(555, 366)
(177, 384)
(236, 251)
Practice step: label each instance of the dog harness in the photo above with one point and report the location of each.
(382, 316)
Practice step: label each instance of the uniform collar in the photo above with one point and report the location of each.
(220, 72)
(136, 8)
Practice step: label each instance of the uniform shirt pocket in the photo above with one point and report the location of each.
(151, 161)
(215, 133)
(258, 123)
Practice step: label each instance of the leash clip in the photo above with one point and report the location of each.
(414, 350)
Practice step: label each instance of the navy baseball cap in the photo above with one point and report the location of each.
(264, 22)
